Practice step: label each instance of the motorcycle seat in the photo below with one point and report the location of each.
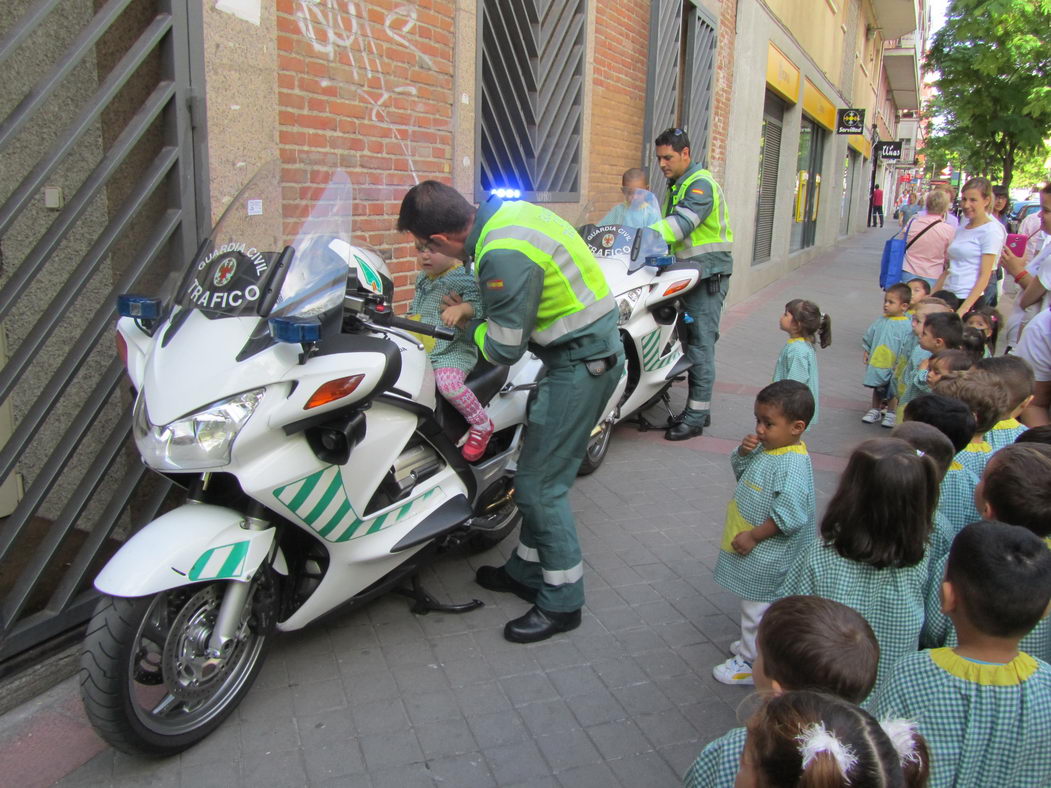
(486, 379)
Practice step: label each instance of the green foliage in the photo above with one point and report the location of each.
(993, 60)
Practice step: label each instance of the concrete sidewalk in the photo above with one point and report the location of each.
(380, 697)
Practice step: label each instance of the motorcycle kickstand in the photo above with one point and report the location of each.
(645, 425)
(425, 603)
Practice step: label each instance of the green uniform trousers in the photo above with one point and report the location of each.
(569, 404)
(705, 308)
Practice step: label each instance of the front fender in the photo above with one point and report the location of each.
(191, 544)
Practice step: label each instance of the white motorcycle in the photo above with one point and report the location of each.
(320, 467)
(647, 284)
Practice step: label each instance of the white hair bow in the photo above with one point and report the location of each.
(816, 739)
(902, 734)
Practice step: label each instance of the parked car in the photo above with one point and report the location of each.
(1019, 211)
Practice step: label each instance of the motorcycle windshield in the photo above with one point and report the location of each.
(269, 242)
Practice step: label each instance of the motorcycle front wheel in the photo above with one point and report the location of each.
(149, 686)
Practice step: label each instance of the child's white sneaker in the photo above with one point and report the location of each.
(734, 671)
(735, 648)
(872, 416)
(888, 419)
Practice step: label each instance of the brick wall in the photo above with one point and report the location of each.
(618, 97)
(723, 93)
(368, 87)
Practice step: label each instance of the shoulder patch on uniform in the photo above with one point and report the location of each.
(495, 284)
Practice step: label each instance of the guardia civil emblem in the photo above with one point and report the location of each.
(225, 272)
(608, 240)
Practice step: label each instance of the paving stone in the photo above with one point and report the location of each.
(463, 771)
(551, 716)
(515, 763)
(384, 750)
(222, 774)
(380, 717)
(528, 688)
(619, 739)
(445, 738)
(279, 770)
(329, 761)
(432, 707)
(496, 729)
(595, 707)
(568, 749)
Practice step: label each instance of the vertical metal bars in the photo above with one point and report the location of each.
(108, 119)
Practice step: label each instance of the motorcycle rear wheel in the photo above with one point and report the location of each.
(146, 683)
(598, 445)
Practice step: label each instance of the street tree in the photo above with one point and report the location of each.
(993, 64)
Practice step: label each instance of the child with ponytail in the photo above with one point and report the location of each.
(806, 326)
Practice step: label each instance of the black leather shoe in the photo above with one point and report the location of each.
(539, 624)
(495, 578)
(677, 419)
(681, 432)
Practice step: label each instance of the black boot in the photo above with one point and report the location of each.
(678, 418)
(539, 624)
(682, 431)
(495, 578)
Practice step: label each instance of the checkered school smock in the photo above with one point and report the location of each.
(942, 535)
(891, 599)
(777, 484)
(719, 762)
(883, 342)
(975, 456)
(460, 352)
(956, 497)
(1004, 433)
(913, 380)
(986, 726)
(798, 361)
(938, 629)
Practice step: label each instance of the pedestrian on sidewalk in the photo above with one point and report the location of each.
(877, 207)
(883, 343)
(696, 225)
(805, 325)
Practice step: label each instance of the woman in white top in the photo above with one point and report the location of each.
(975, 248)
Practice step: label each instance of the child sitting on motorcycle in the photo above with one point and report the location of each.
(452, 359)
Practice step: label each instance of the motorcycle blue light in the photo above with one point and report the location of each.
(138, 307)
(295, 330)
(660, 260)
(507, 193)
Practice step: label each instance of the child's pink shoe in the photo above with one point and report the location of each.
(477, 440)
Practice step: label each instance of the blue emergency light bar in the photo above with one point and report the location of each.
(505, 193)
(295, 330)
(660, 260)
(138, 307)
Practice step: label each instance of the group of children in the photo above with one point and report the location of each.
(902, 640)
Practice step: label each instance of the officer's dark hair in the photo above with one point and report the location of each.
(1002, 577)
(949, 415)
(1017, 485)
(432, 207)
(946, 326)
(928, 439)
(675, 138)
(791, 397)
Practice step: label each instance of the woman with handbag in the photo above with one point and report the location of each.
(927, 239)
(975, 249)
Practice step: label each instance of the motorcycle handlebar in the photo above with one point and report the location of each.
(438, 332)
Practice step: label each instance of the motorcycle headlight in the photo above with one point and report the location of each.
(200, 440)
(626, 304)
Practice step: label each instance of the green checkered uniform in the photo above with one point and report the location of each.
(883, 342)
(1004, 433)
(956, 497)
(938, 629)
(798, 361)
(913, 380)
(942, 535)
(777, 484)
(719, 762)
(460, 352)
(975, 456)
(986, 726)
(891, 599)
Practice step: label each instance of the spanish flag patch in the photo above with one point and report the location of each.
(495, 284)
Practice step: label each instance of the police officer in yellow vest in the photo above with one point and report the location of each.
(541, 291)
(696, 226)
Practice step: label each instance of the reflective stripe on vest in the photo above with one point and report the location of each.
(575, 292)
(712, 235)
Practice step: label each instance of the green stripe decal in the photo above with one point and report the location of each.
(336, 519)
(234, 561)
(304, 492)
(326, 499)
(231, 566)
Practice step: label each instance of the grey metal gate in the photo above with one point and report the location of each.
(98, 195)
(680, 79)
